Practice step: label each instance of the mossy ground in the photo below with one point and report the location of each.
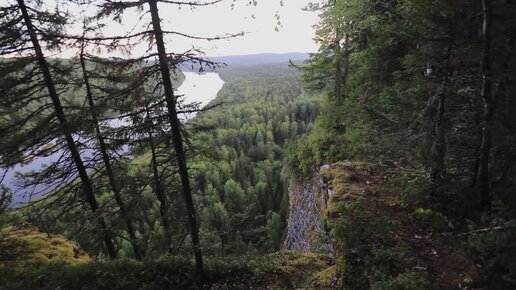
(25, 247)
(379, 240)
(282, 270)
(302, 271)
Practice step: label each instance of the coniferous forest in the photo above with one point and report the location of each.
(386, 159)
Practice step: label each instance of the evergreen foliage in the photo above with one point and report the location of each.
(242, 188)
(409, 103)
(423, 88)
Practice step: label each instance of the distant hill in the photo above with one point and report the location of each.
(260, 58)
(252, 59)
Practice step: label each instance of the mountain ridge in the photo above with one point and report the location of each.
(261, 58)
(247, 60)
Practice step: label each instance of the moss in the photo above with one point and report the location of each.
(351, 181)
(283, 270)
(366, 219)
(25, 247)
(325, 278)
(412, 280)
(381, 240)
(299, 270)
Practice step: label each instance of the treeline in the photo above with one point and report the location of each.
(425, 87)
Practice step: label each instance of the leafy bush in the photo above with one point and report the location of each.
(403, 281)
(494, 248)
(122, 274)
(279, 270)
(435, 220)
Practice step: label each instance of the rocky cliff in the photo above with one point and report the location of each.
(306, 229)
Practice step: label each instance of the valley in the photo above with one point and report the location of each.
(159, 144)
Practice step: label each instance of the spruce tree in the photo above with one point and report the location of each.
(30, 90)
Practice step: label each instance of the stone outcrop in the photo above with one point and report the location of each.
(306, 229)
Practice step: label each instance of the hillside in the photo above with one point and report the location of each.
(264, 58)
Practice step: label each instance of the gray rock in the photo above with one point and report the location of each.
(306, 231)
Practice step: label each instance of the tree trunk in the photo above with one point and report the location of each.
(176, 132)
(107, 163)
(438, 170)
(338, 68)
(489, 106)
(163, 206)
(345, 64)
(67, 132)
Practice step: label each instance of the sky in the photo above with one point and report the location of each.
(294, 34)
(258, 22)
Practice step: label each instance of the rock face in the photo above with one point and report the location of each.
(306, 230)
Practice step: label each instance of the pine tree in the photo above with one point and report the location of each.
(30, 81)
(165, 66)
(106, 158)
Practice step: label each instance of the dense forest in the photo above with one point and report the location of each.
(393, 144)
(423, 90)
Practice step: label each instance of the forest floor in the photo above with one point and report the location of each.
(53, 267)
(286, 270)
(385, 242)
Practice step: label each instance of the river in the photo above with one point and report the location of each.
(199, 88)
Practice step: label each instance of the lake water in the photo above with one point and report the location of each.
(199, 88)
(202, 88)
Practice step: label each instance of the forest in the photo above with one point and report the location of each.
(384, 160)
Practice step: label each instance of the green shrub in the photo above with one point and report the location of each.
(122, 274)
(435, 220)
(412, 280)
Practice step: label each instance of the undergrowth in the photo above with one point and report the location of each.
(283, 270)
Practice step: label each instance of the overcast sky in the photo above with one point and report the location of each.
(295, 34)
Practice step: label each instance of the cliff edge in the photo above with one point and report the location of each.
(307, 231)
(384, 242)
